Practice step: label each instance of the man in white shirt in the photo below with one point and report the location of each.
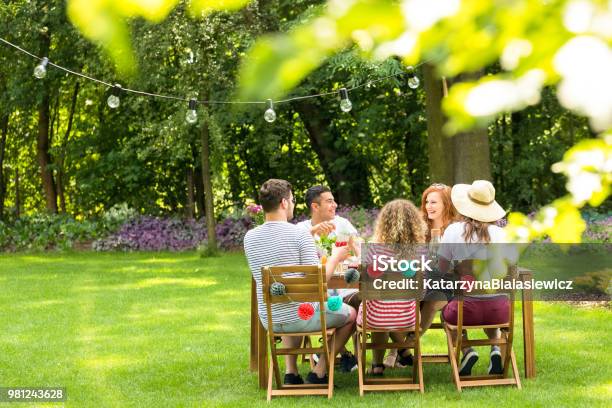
(324, 221)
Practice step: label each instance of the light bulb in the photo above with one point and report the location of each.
(113, 100)
(413, 82)
(192, 115)
(269, 114)
(345, 102)
(41, 69)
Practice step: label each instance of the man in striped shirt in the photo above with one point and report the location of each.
(277, 243)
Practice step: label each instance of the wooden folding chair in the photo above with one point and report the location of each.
(369, 293)
(303, 283)
(505, 342)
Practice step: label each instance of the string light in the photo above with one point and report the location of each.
(113, 100)
(413, 80)
(269, 114)
(345, 102)
(41, 69)
(192, 115)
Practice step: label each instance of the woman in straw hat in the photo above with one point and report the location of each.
(478, 210)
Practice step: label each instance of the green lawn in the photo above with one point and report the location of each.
(165, 330)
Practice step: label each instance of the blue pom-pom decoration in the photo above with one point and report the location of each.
(334, 303)
(277, 289)
(351, 275)
(409, 273)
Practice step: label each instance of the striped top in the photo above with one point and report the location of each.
(278, 243)
(387, 314)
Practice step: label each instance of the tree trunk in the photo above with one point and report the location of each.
(4, 120)
(197, 181)
(349, 182)
(17, 196)
(208, 193)
(441, 166)
(43, 142)
(190, 207)
(471, 151)
(471, 156)
(62, 159)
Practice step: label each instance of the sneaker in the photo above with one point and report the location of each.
(348, 362)
(467, 362)
(402, 360)
(293, 379)
(495, 365)
(312, 378)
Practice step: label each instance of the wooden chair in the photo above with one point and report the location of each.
(369, 293)
(505, 342)
(303, 283)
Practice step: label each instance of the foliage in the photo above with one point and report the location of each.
(536, 43)
(595, 282)
(45, 231)
(143, 154)
(104, 21)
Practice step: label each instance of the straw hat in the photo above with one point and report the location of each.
(477, 201)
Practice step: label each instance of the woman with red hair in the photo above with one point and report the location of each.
(437, 208)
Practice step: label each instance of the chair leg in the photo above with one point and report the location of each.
(330, 364)
(419, 361)
(515, 371)
(274, 363)
(453, 360)
(360, 364)
(270, 371)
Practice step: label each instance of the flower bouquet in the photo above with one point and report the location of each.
(256, 213)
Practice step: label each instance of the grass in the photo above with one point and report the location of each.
(166, 330)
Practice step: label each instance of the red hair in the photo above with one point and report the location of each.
(449, 214)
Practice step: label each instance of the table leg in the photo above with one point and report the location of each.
(254, 327)
(528, 329)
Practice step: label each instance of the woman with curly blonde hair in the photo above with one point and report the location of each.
(399, 222)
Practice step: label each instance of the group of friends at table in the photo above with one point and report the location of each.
(465, 213)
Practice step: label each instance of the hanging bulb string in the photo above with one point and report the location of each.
(209, 102)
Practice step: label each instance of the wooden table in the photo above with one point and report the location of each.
(259, 346)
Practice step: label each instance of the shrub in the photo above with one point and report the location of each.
(594, 282)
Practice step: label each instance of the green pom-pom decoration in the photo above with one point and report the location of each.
(334, 303)
(351, 275)
(277, 289)
(409, 273)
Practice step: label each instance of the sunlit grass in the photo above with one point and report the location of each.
(166, 330)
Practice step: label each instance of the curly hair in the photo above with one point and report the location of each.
(450, 213)
(400, 222)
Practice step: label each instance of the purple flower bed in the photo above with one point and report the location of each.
(169, 234)
(154, 234)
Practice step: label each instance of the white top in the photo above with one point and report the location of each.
(473, 250)
(457, 248)
(342, 225)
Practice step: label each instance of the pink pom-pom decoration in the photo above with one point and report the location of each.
(305, 311)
